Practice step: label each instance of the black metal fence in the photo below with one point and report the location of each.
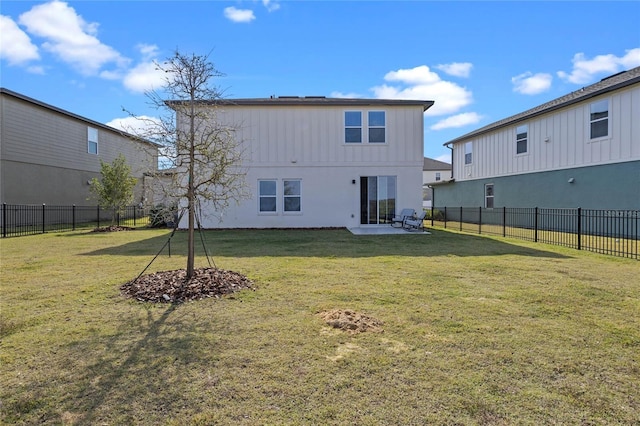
(613, 232)
(17, 220)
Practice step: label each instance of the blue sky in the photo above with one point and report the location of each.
(479, 61)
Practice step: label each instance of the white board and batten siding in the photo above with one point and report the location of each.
(314, 136)
(556, 140)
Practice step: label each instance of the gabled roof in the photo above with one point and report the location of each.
(607, 84)
(431, 164)
(316, 101)
(75, 116)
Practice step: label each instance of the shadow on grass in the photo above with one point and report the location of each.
(323, 243)
(132, 369)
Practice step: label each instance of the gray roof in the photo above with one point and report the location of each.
(608, 84)
(431, 164)
(316, 101)
(75, 116)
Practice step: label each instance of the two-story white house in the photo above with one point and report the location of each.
(324, 162)
(433, 171)
(580, 150)
(49, 155)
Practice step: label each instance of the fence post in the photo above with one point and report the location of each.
(135, 209)
(445, 217)
(504, 221)
(117, 212)
(43, 217)
(432, 210)
(535, 226)
(73, 217)
(4, 220)
(579, 228)
(460, 218)
(479, 220)
(98, 209)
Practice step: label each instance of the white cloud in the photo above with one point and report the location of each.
(69, 37)
(271, 6)
(585, 70)
(351, 95)
(459, 120)
(457, 69)
(418, 75)
(445, 158)
(422, 83)
(531, 84)
(142, 126)
(15, 45)
(145, 76)
(239, 15)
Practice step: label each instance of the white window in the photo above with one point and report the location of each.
(92, 140)
(292, 195)
(599, 119)
(377, 126)
(522, 134)
(468, 153)
(488, 195)
(267, 196)
(353, 126)
(437, 176)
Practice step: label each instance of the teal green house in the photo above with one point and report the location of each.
(580, 150)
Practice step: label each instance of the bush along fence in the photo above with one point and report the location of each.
(612, 232)
(18, 220)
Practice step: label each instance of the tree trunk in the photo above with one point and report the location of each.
(191, 197)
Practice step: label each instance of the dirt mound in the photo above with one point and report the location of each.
(351, 322)
(173, 286)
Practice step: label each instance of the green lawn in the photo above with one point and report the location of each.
(477, 330)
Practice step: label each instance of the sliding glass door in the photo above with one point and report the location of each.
(377, 199)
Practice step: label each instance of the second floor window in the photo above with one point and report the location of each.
(437, 176)
(522, 133)
(377, 127)
(468, 153)
(92, 140)
(599, 119)
(353, 126)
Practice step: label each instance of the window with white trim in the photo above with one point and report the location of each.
(292, 195)
(599, 119)
(468, 153)
(488, 195)
(353, 126)
(522, 135)
(376, 122)
(92, 140)
(267, 196)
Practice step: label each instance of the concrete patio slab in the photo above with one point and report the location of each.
(385, 230)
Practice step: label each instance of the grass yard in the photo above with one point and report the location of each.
(477, 331)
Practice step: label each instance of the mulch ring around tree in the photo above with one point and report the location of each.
(173, 287)
(351, 322)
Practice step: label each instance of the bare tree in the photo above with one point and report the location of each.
(202, 148)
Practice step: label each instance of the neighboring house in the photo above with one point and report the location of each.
(325, 162)
(433, 171)
(48, 155)
(580, 150)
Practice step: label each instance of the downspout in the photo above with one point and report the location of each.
(447, 145)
